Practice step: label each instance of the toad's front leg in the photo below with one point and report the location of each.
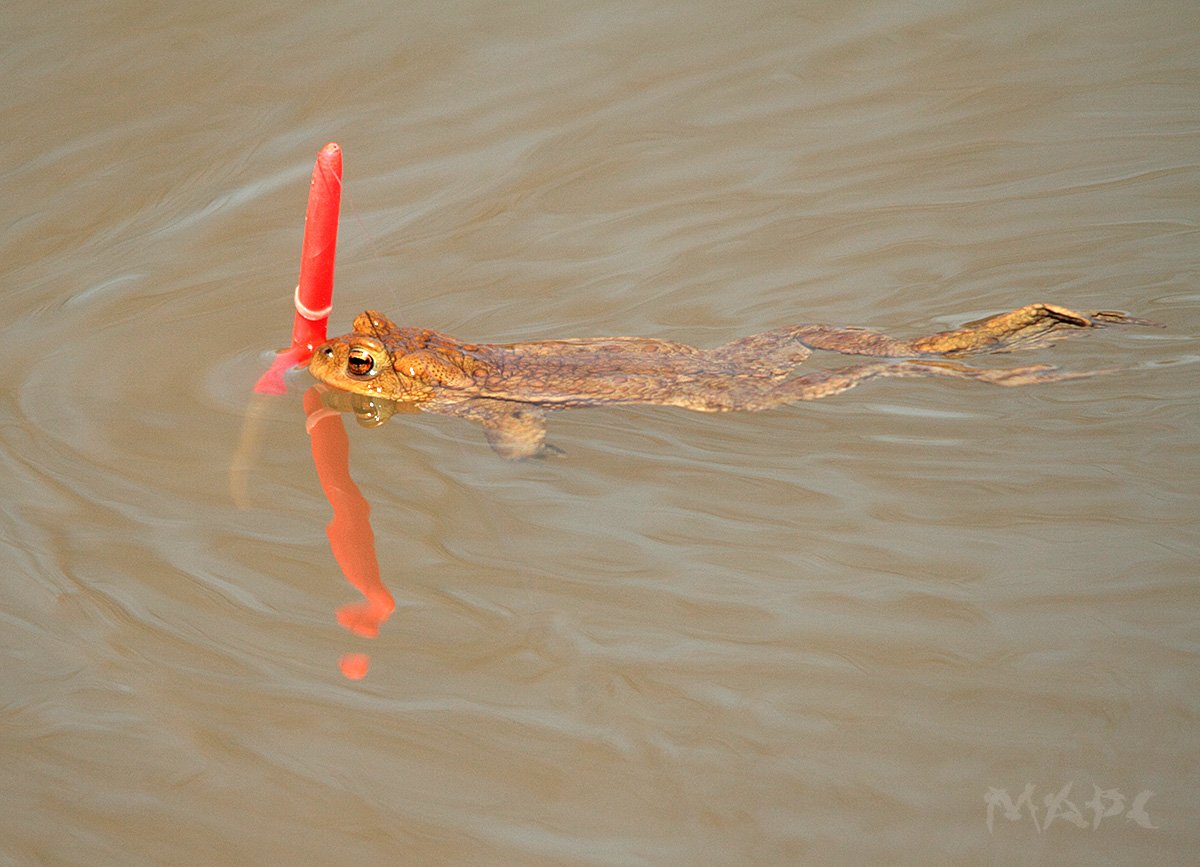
(514, 430)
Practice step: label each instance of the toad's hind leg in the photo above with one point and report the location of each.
(774, 353)
(755, 395)
(1028, 327)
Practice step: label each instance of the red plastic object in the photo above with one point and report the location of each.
(314, 292)
(350, 534)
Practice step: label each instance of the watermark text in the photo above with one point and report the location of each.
(1058, 807)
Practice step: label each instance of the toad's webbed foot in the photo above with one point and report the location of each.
(1029, 327)
(515, 431)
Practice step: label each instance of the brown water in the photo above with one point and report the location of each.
(827, 634)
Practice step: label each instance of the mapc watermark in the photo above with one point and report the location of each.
(1056, 807)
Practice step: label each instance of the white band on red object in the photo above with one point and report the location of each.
(317, 417)
(311, 315)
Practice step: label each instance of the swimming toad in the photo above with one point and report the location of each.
(509, 388)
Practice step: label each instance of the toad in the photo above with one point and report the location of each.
(509, 388)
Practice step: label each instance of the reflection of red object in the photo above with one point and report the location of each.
(354, 665)
(350, 534)
(314, 292)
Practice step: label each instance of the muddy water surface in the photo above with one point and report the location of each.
(853, 631)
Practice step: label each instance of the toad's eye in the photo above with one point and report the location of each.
(360, 363)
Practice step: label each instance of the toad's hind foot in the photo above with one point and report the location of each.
(1029, 327)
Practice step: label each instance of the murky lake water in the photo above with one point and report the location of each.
(833, 633)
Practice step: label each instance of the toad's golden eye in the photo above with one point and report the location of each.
(360, 363)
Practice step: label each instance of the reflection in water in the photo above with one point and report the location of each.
(350, 536)
(368, 411)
